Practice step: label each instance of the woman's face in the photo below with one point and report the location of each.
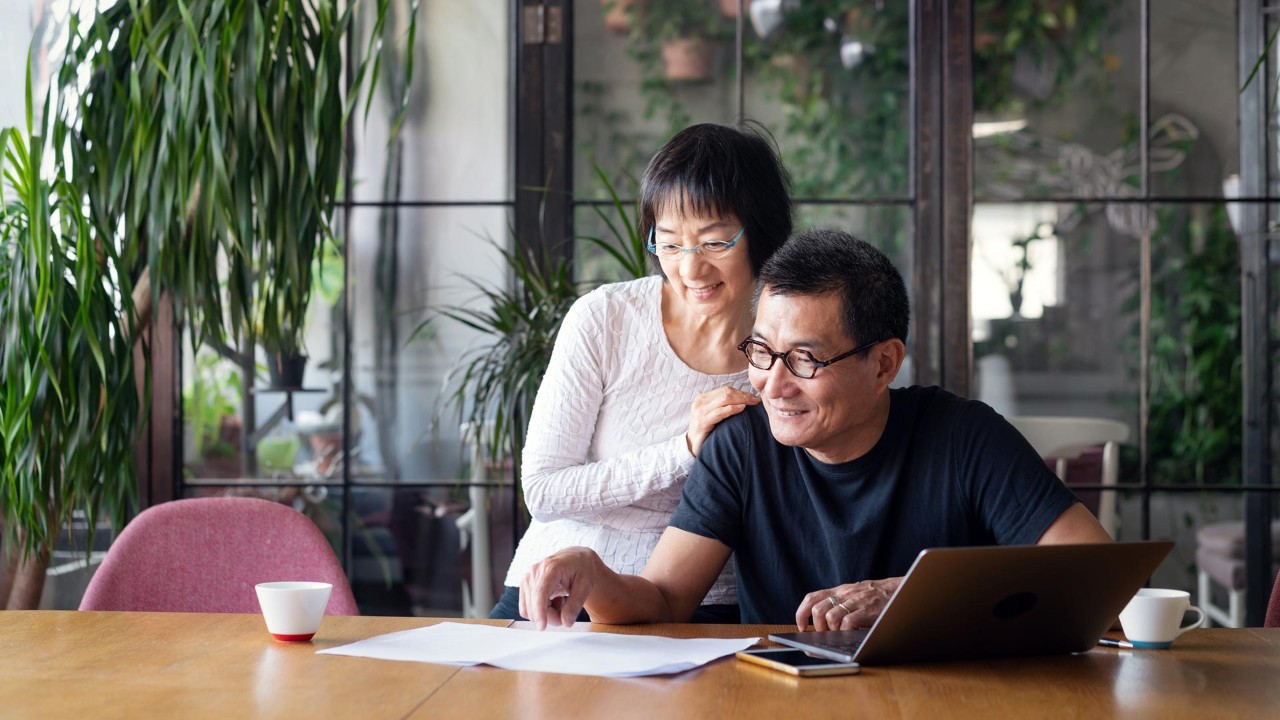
(707, 284)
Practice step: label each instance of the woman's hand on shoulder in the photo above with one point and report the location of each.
(710, 408)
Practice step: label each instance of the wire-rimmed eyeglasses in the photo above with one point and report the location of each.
(800, 363)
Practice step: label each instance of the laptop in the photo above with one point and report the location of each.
(967, 603)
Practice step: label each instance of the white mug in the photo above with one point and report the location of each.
(1153, 618)
(293, 610)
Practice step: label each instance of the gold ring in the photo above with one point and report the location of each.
(846, 608)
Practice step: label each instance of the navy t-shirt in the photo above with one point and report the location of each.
(946, 472)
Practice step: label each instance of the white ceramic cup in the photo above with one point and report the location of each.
(293, 610)
(1153, 618)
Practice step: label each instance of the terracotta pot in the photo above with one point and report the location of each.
(729, 8)
(686, 59)
(617, 15)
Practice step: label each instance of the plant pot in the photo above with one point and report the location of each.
(729, 8)
(224, 458)
(286, 371)
(686, 59)
(617, 15)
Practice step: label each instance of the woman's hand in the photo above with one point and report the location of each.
(710, 408)
(846, 607)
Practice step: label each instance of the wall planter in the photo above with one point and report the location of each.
(686, 59)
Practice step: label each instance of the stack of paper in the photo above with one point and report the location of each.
(576, 653)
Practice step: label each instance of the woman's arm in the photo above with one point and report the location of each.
(558, 480)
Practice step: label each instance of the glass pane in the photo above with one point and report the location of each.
(416, 551)
(596, 224)
(409, 265)
(454, 143)
(888, 227)
(1054, 309)
(1195, 97)
(641, 76)
(831, 79)
(1185, 518)
(294, 430)
(1195, 427)
(1056, 96)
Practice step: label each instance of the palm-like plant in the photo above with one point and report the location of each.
(70, 409)
(185, 136)
(212, 132)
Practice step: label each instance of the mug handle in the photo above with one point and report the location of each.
(1199, 620)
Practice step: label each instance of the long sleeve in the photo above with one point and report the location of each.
(605, 456)
(560, 480)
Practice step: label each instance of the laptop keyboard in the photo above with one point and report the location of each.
(835, 642)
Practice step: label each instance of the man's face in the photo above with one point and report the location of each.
(838, 414)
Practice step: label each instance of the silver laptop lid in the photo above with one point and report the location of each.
(977, 602)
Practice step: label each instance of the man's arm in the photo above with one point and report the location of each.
(1075, 525)
(859, 604)
(678, 575)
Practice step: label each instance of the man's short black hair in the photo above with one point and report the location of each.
(873, 297)
(720, 169)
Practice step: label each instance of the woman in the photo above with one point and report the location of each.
(643, 370)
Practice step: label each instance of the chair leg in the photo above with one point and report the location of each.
(1203, 596)
(1236, 611)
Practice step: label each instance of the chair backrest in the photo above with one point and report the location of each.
(1273, 608)
(1065, 438)
(206, 555)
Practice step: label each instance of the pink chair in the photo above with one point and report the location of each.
(1273, 607)
(206, 555)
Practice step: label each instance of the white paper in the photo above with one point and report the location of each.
(575, 653)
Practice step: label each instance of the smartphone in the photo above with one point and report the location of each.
(798, 662)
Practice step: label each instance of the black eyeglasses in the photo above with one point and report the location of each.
(800, 363)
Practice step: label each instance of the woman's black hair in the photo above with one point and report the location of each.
(720, 169)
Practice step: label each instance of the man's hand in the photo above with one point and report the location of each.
(846, 607)
(555, 589)
(709, 408)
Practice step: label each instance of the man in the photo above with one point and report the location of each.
(827, 490)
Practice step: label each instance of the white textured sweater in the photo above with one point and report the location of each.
(605, 457)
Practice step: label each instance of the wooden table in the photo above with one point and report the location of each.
(72, 664)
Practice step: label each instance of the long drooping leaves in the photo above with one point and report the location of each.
(212, 132)
(69, 410)
(182, 136)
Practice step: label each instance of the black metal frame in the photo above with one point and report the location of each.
(1255, 305)
(942, 199)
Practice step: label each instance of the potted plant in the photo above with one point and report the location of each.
(236, 156)
(211, 429)
(200, 162)
(686, 30)
(618, 14)
(69, 408)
